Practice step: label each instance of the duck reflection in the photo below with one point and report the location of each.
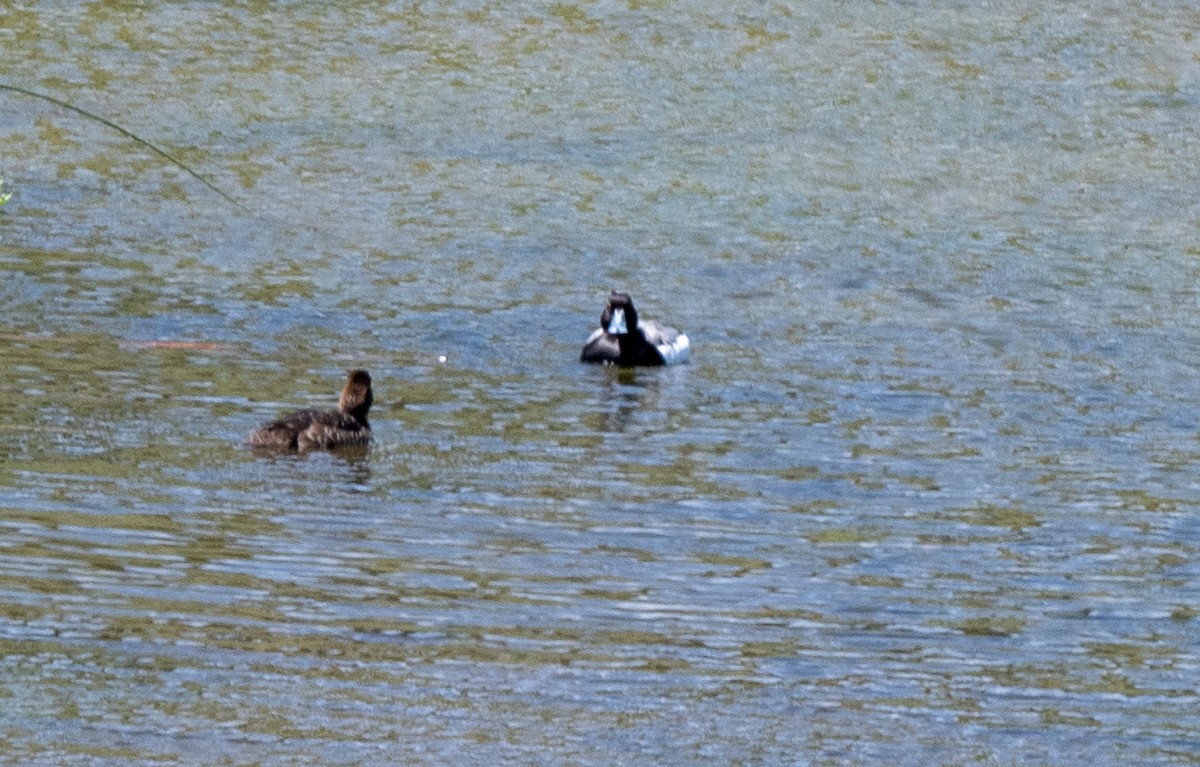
(345, 466)
(623, 393)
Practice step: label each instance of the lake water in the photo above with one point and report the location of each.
(926, 494)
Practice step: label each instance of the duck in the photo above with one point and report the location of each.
(312, 429)
(623, 339)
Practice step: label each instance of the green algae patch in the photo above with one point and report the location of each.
(1054, 716)
(842, 535)
(785, 648)
(1140, 500)
(1132, 655)
(741, 565)
(990, 626)
(878, 581)
(993, 515)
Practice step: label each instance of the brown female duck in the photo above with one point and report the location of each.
(323, 429)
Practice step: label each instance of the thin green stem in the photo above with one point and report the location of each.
(122, 131)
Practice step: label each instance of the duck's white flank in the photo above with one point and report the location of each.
(675, 351)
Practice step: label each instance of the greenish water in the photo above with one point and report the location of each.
(926, 493)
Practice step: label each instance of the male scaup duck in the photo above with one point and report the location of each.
(622, 339)
(323, 429)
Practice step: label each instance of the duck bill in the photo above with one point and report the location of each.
(616, 325)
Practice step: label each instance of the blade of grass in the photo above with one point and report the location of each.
(123, 131)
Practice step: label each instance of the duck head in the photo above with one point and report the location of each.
(619, 317)
(356, 395)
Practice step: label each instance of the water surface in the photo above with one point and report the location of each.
(925, 494)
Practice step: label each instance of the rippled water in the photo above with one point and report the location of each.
(926, 494)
